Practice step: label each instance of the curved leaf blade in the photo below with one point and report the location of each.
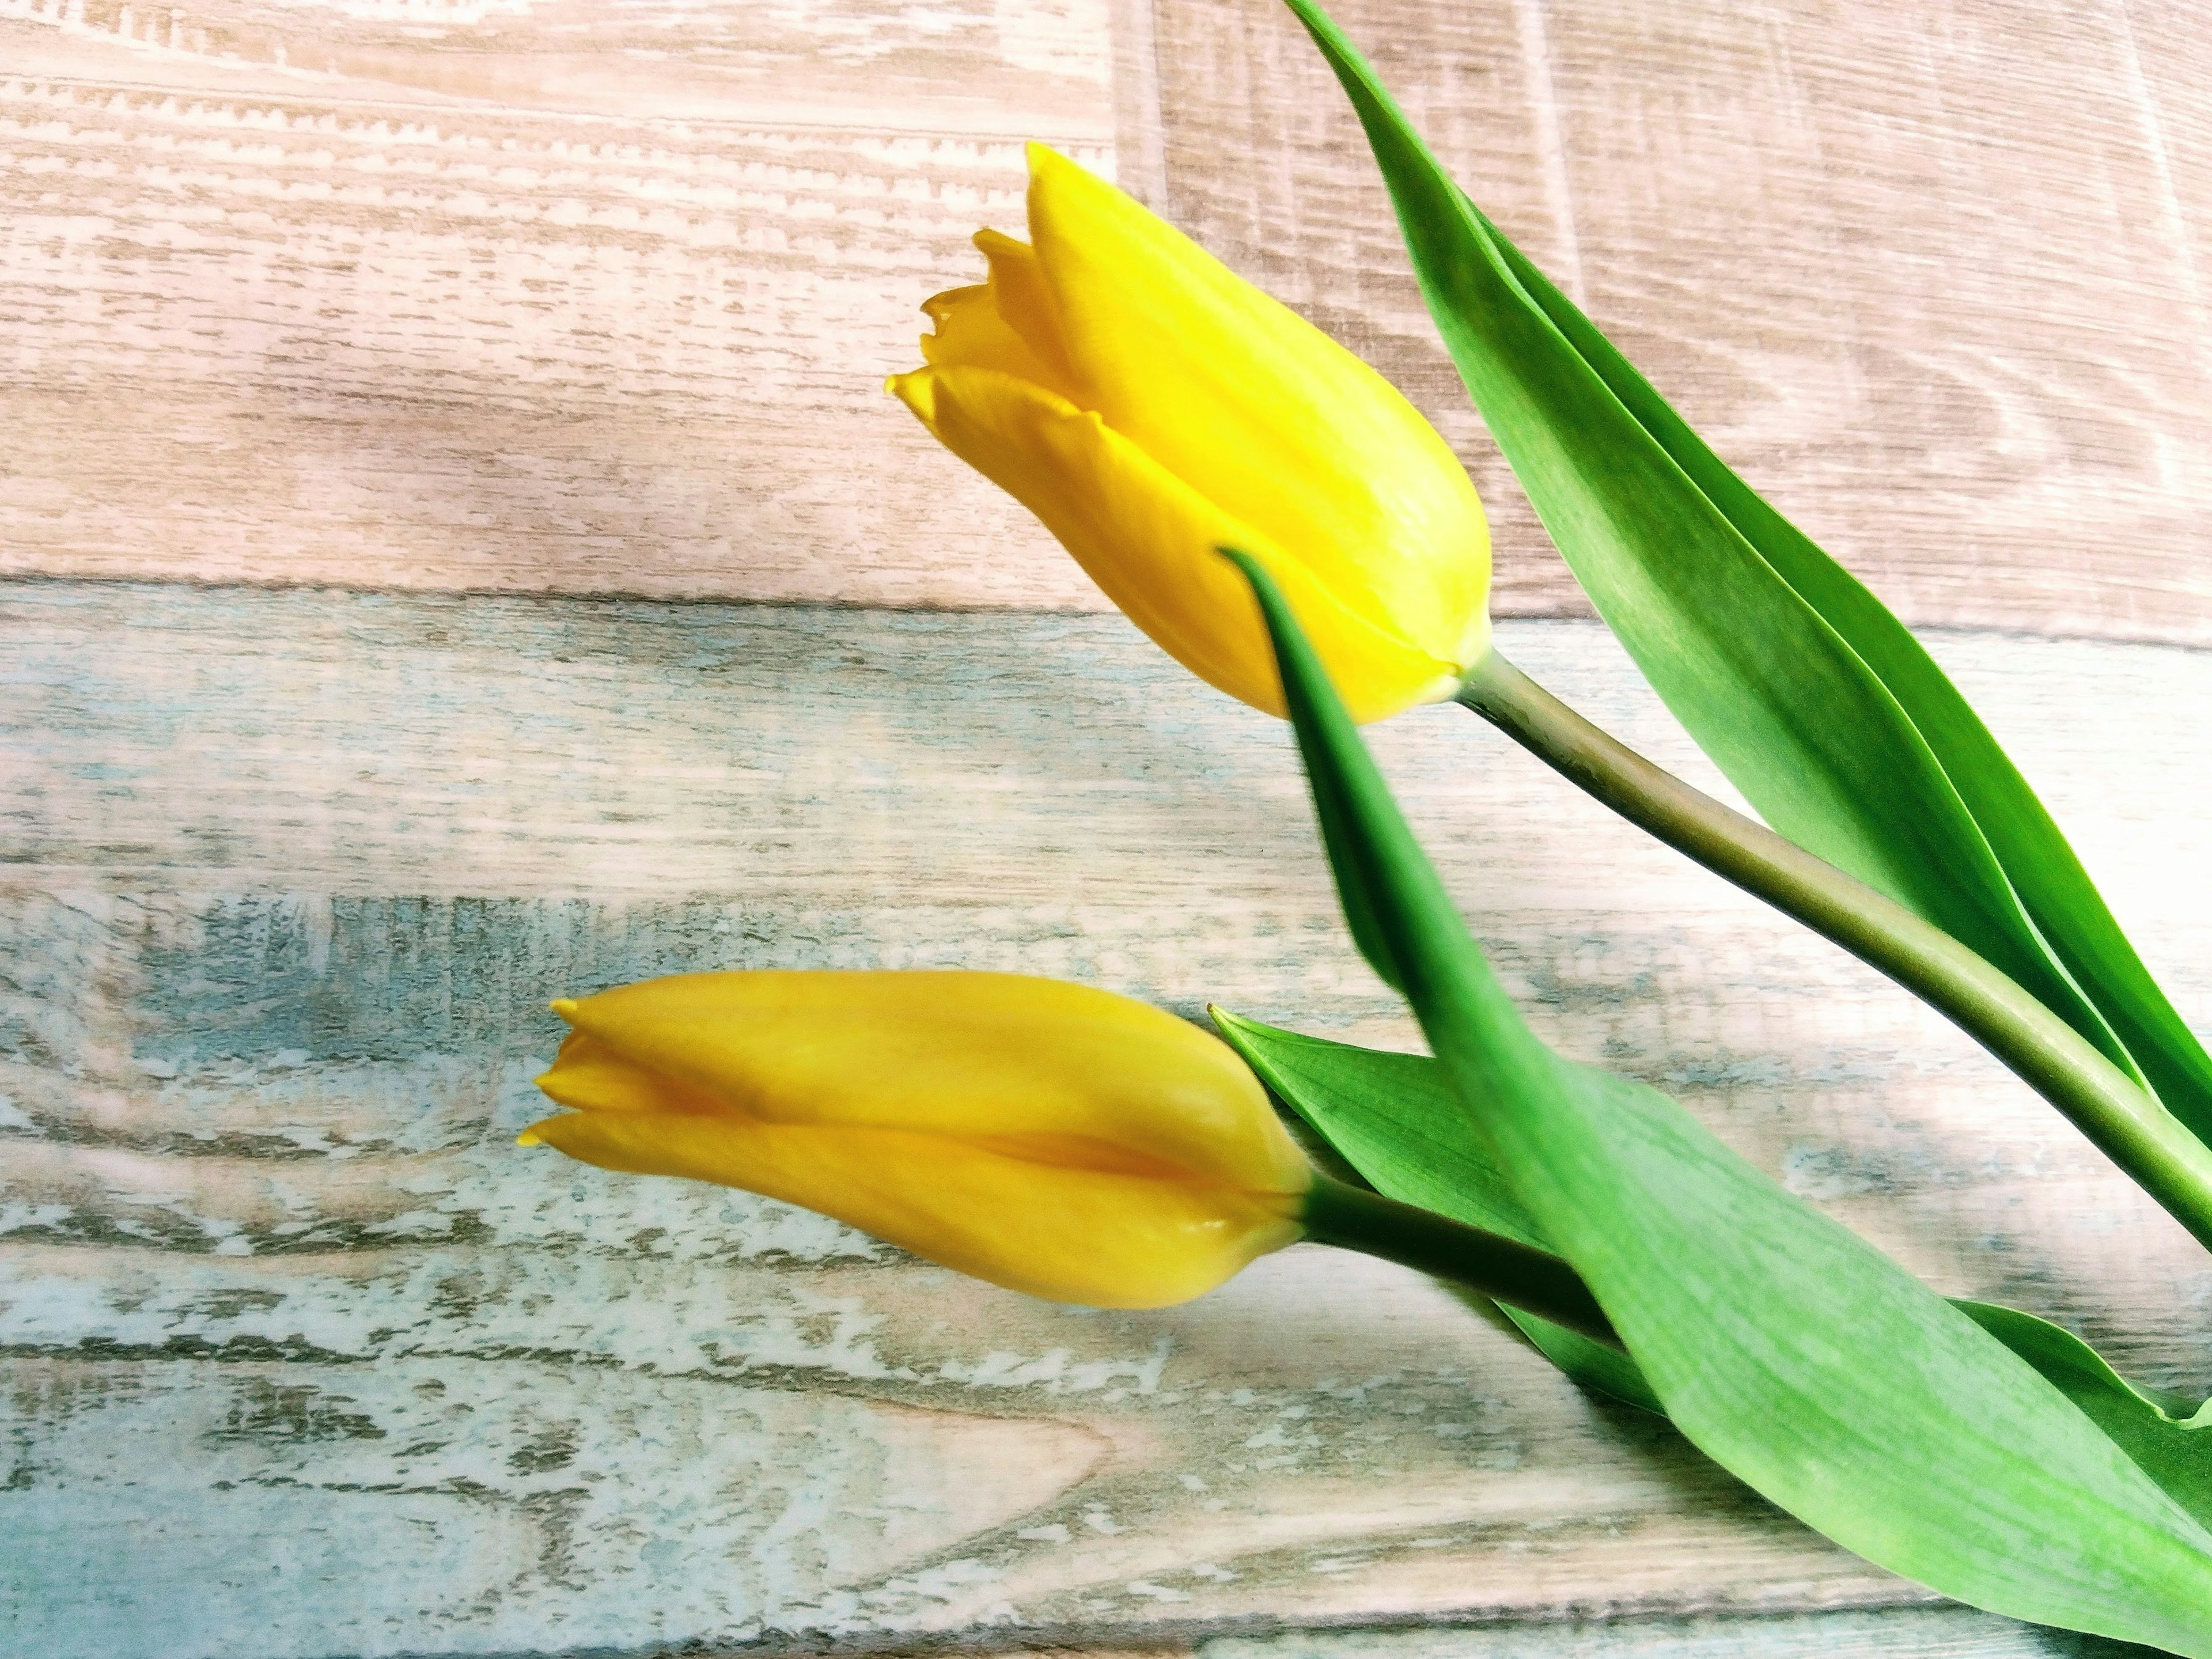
(1770, 684)
(1396, 1121)
(2043, 868)
(1751, 1316)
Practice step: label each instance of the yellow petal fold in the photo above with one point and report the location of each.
(1068, 1235)
(1046, 1137)
(1279, 426)
(1007, 323)
(1148, 539)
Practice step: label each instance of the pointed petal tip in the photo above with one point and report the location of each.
(988, 242)
(940, 305)
(564, 1006)
(1058, 176)
(1051, 171)
(528, 1137)
(916, 389)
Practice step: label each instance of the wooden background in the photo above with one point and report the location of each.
(457, 553)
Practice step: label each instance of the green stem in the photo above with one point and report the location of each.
(1534, 1281)
(2128, 1124)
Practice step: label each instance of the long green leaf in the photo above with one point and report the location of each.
(1791, 1352)
(1815, 700)
(2044, 871)
(2170, 1445)
(1395, 1122)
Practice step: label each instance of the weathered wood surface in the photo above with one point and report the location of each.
(290, 875)
(302, 1358)
(462, 295)
(559, 297)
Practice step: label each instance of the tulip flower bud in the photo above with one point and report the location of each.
(1051, 1139)
(1150, 406)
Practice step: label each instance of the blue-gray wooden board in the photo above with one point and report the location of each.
(306, 1357)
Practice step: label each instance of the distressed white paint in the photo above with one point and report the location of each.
(291, 875)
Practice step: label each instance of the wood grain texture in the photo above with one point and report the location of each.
(1930, 1633)
(299, 1356)
(289, 876)
(1934, 278)
(545, 296)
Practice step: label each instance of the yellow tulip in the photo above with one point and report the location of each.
(1051, 1139)
(1149, 405)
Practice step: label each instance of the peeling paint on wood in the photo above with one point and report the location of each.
(289, 876)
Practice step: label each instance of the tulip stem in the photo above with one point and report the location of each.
(2125, 1121)
(1535, 1281)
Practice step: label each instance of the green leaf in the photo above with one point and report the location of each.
(2170, 1445)
(1395, 1122)
(2060, 899)
(1788, 1351)
(1815, 701)
(1393, 1118)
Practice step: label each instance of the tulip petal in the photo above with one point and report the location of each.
(1046, 1137)
(1148, 539)
(1025, 299)
(1281, 427)
(1007, 324)
(1061, 1074)
(1106, 1240)
(590, 1075)
(971, 331)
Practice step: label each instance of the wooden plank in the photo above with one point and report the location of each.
(1935, 279)
(288, 876)
(585, 302)
(1923, 1633)
(2163, 60)
(543, 297)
